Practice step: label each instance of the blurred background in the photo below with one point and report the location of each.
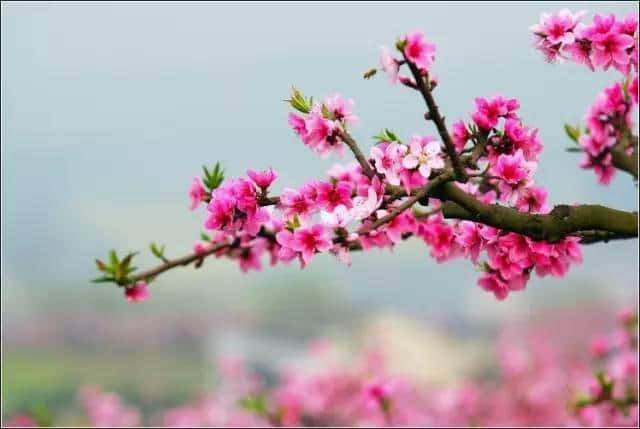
(110, 109)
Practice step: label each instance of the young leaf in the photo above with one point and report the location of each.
(204, 237)
(102, 266)
(103, 279)
(572, 132)
(113, 258)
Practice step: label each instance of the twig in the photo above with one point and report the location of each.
(434, 113)
(362, 160)
(422, 193)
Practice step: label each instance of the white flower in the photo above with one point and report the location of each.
(423, 154)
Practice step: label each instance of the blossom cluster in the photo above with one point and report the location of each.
(606, 42)
(541, 380)
(607, 119)
(318, 217)
(373, 203)
(321, 125)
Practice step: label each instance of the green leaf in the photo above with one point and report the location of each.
(102, 266)
(572, 132)
(113, 258)
(386, 136)
(204, 237)
(158, 252)
(299, 102)
(103, 279)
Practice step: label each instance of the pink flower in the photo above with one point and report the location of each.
(222, 212)
(263, 179)
(488, 112)
(23, 421)
(513, 169)
(341, 109)
(364, 206)
(389, 64)
(601, 26)
(387, 159)
(601, 166)
(320, 135)
(249, 257)
(245, 194)
(137, 292)
(580, 50)
(332, 195)
(557, 28)
(309, 240)
(459, 135)
(424, 154)
(469, 238)
(338, 218)
(404, 223)
(298, 124)
(493, 283)
(533, 199)
(419, 51)
(611, 50)
(294, 202)
(197, 192)
(440, 236)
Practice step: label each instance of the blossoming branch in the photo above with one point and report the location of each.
(467, 192)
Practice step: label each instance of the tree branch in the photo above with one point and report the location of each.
(362, 160)
(434, 113)
(553, 227)
(169, 264)
(423, 192)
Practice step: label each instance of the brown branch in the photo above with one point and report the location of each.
(437, 118)
(563, 220)
(362, 160)
(624, 162)
(169, 264)
(591, 237)
(423, 192)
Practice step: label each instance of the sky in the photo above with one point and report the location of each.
(110, 109)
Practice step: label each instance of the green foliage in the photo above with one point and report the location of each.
(299, 102)
(116, 271)
(158, 251)
(214, 178)
(572, 132)
(386, 136)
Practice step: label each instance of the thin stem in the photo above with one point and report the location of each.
(437, 118)
(362, 160)
(425, 191)
(183, 261)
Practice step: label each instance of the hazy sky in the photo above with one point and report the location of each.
(109, 110)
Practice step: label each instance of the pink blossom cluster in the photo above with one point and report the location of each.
(541, 380)
(107, 409)
(606, 42)
(319, 216)
(356, 208)
(414, 47)
(320, 128)
(606, 120)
